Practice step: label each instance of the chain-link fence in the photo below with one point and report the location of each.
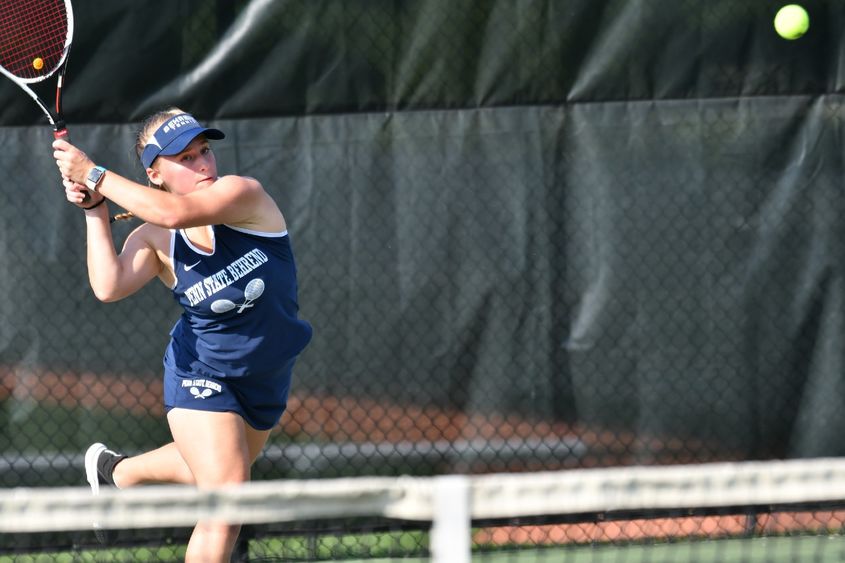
(530, 235)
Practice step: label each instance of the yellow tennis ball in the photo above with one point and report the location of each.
(38, 63)
(792, 21)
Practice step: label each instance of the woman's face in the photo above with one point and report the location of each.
(192, 169)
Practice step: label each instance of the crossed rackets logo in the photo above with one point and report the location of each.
(253, 291)
(201, 394)
(201, 388)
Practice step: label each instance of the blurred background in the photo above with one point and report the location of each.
(531, 234)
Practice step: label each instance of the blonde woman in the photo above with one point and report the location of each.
(221, 245)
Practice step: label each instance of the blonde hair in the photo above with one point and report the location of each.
(149, 126)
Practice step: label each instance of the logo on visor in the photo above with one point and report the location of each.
(179, 121)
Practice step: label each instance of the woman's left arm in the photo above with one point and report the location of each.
(230, 199)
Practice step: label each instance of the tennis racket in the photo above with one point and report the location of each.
(35, 39)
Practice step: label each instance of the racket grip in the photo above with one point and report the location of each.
(65, 136)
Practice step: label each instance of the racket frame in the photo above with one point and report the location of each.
(55, 116)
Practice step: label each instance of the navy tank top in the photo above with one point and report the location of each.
(240, 309)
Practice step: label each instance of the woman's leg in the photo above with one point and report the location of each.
(218, 448)
(163, 465)
(166, 465)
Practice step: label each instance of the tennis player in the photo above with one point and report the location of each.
(221, 245)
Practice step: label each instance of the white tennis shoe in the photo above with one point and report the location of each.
(99, 470)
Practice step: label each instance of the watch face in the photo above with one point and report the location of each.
(94, 177)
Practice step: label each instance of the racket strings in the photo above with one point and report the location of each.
(33, 34)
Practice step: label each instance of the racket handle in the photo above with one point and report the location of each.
(62, 133)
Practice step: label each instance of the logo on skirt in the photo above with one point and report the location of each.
(202, 388)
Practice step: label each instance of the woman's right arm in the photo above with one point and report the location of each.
(114, 276)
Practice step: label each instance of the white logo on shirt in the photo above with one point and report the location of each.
(222, 279)
(252, 291)
(192, 266)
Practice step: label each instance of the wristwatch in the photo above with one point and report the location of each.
(94, 177)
